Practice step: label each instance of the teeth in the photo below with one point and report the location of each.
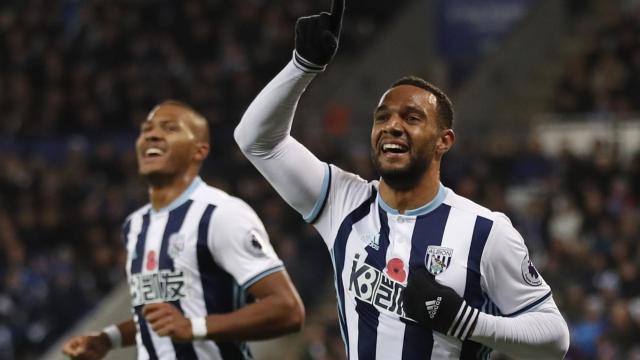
(153, 151)
(387, 147)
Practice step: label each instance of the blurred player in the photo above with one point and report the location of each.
(421, 273)
(194, 253)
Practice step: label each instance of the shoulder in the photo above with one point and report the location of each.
(349, 186)
(339, 175)
(137, 214)
(463, 204)
(230, 211)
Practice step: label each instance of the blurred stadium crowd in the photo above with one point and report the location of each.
(603, 75)
(74, 87)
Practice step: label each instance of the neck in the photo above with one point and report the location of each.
(407, 199)
(162, 193)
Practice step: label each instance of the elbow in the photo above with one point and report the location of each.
(558, 347)
(237, 135)
(563, 342)
(292, 314)
(296, 316)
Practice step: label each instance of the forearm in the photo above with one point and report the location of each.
(270, 317)
(128, 332)
(263, 136)
(267, 121)
(542, 334)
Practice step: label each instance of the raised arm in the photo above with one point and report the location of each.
(264, 131)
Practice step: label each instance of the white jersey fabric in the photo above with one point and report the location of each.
(200, 253)
(467, 247)
(374, 249)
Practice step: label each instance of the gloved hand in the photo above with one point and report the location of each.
(317, 37)
(437, 307)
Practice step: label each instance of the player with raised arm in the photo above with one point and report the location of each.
(194, 256)
(420, 272)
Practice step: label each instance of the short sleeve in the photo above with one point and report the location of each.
(240, 244)
(344, 192)
(509, 276)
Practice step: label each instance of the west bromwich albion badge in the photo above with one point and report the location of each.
(437, 259)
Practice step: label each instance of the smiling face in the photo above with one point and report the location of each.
(406, 135)
(172, 141)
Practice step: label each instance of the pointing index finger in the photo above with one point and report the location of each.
(337, 10)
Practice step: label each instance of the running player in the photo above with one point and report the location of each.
(194, 254)
(420, 272)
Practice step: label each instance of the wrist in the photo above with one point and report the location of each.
(111, 337)
(305, 65)
(199, 328)
(464, 322)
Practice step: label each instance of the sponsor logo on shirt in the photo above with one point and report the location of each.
(437, 259)
(161, 286)
(375, 287)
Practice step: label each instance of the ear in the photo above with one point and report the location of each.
(445, 141)
(202, 151)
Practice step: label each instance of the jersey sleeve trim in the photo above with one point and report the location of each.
(247, 284)
(530, 306)
(322, 198)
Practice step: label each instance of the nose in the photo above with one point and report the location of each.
(394, 125)
(152, 134)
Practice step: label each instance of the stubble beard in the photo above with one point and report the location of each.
(406, 178)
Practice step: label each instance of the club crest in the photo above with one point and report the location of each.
(176, 245)
(437, 259)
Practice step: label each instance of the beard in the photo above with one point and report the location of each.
(405, 178)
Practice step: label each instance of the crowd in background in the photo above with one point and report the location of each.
(76, 79)
(602, 77)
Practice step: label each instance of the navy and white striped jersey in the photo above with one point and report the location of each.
(467, 247)
(200, 253)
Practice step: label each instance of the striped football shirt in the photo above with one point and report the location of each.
(200, 253)
(374, 250)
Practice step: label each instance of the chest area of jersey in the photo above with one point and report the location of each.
(158, 257)
(382, 251)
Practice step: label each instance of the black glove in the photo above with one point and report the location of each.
(437, 307)
(317, 37)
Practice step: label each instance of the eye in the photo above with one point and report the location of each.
(381, 117)
(414, 118)
(172, 127)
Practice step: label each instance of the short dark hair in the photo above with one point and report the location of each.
(443, 103)
(173, 102)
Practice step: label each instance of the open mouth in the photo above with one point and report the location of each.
(153, 152)
(392, 148)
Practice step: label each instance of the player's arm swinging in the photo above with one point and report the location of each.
(96, 346)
